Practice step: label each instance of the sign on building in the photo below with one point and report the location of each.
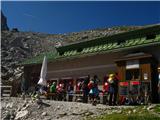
(132, 64)
(123, 89)
(134, 88)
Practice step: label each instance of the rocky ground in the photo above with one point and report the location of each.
(19, 109)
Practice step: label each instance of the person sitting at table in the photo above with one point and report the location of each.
(70, 89)
(53, 87)
(94, 92)
(79, 86)
(60, 92)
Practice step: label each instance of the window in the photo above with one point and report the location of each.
(120, 41)
(79, 49)
(132, 74)
(151, 36)
(61, 53)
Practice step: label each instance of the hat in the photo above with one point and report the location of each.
(110, 80)
(111, 75)
(91, 81)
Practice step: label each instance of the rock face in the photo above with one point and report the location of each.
(4, 25)
(15, 47)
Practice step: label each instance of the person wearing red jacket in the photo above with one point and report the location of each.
(90, 86)
(106, 84)
(105, 90)
(94, 91)
(60, 91)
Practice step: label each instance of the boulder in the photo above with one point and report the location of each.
(134, 111)
(7, 115)
(9, 105)
(151, 107)
(129, 112)
(21, 114)
(44, 113)
(61, 114)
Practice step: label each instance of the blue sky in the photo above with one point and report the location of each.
(64, 17)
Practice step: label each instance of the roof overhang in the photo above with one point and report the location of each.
(141, 32)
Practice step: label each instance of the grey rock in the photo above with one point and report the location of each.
(28, 37)
(18, 109)
(134, 111)
(24, 104)
(18, 76)
(7, 115)
(21, 114)
(145, 107)
(58, 107)
(62, 114)
(9, 105)
(12, 117)
(151, 107)
(44, 113)
(11, 49)
(57, 117)
(89, 113)
(119, 111)
(129, 112)
(77, 112)
(24, 108)
(39, 106)
(39, 101)
(47, 118)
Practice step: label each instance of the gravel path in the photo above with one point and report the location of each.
(18, 109)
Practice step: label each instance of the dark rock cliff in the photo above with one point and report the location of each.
(4, 25)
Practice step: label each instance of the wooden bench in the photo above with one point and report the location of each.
(51, 95)
(6, 91)
(77, 97)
